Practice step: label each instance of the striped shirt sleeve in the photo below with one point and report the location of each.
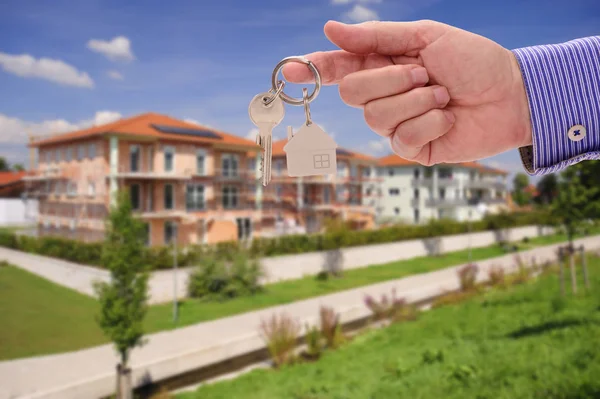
(562, 82)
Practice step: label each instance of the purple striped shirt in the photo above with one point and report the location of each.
(562, 82)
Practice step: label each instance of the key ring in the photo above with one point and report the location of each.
(269, 100)
(313, 69)
(306, 107)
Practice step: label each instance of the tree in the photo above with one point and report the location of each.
(4, 166)
(123, 300)
(18, 167)
(547, 188)
(520, 196)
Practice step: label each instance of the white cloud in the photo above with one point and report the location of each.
(116, 75)
(117, 49)
(57, 71)
(378, 147)
(338, 2)
(360, 13)
(195, 122)
(15, 130)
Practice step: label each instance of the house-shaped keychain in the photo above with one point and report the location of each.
(310, 152)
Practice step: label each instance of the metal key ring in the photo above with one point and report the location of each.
(313, 69)
(276, 93)
(306, 107)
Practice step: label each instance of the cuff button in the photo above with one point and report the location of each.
(577, 133)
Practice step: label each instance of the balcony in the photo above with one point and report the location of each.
(235, 174)
(145, 173)
(449, 202)
(493, 201)
(45, 173)
(428, 182)
(485, 184)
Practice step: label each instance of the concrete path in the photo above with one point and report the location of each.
(161, 285)
(89, 373)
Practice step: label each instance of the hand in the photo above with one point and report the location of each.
(440, 93)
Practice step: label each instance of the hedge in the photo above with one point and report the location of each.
(162, 257)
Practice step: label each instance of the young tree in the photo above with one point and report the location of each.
(520, 196)
(4, 166)
(547, 188)
(570, 209)
(123, 300)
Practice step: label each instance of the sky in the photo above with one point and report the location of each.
(69, 64)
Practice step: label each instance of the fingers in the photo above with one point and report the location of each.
(333, 66)
(387, 38)
(385, 114)
(412, 138)
(359, 88)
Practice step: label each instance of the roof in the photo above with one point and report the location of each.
(149, 125)
(395, 160)
(310, 138)
(7, 178)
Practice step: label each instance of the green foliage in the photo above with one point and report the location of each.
(314, 346)
(520, 196)
(123, 300)
(280, 335)
(4, 165)
(225, 276)
(331, 329)
(432, 357)
(547, 188)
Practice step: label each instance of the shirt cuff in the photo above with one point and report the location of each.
(562, 82)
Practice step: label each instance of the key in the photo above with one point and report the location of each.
(266, 117)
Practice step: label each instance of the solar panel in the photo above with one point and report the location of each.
(341, 151)
(186, 131)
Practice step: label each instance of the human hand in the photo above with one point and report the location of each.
(467, 103)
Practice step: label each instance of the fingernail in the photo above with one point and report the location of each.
(450, 116)
(441, 95)
(419, 76)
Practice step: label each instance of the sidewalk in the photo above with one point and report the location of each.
(89, 373)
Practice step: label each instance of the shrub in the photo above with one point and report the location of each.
(331, 328)
(523, 272)
(216, 278)
(8, 240)
(467, 276)
(280, 335)
(314, 346)
(4, 263)
(431, 357)
(496, 276)
(395, 309)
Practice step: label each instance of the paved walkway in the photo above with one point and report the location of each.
(89, 373)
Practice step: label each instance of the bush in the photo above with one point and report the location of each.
(280, 335)
(331, 328)
(467, 276)
(314, 347)
(496, 276)
(395, 309)
(8, 240)
(217, 278)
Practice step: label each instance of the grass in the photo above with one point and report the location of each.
(523, 342)
(39, 317)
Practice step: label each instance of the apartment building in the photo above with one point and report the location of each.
(413, 193)
(185, 181)
(303, 204)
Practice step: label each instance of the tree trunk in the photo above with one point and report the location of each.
(584, 267)
(561, 275)
(573, 273)
(124, 383)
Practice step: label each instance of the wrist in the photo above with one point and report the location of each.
(521, 104)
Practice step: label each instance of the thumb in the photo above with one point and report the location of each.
(386, 38)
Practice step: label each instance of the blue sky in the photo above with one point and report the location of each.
(67, 64)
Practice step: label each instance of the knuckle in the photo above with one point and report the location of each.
(407, 137)
(347, 91)
(371, 115)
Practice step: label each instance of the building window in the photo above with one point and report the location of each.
(49, 156)
(92, 150)
(397, 211)
(59, 154)
(134, 193)
(416, 193)
(72, 190)
(170, 231)
(417, 173)
(134, 158)
(390, 172)
(169, 159)
(340, 193)
(353, 171)
(326, 195)
(321, 161)
(442, 193)
(195, 197)
(69, 154)
(366, 172)
(229, 165)
(244, 228)
(80, 152)
(230, 197)
(341, 170)
(91, 189)
(200, 161)
(394, 191)
(169, 198)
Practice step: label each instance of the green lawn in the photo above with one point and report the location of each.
(39, 317)
(518, 343)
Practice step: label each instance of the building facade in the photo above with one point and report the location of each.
(413, 193)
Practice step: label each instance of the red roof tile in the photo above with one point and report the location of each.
(10, 177)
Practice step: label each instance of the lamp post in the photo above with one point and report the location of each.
(175, 307)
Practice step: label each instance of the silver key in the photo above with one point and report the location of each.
(266, 117)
